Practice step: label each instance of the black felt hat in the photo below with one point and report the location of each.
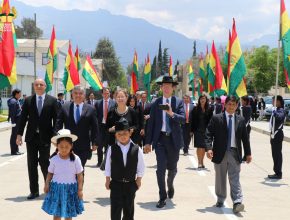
(168, 79)
(122, 125)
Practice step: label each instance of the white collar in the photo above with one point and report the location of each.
(127, 145)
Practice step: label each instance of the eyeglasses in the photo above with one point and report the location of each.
(39, 84)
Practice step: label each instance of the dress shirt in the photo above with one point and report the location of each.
(104, 120)
(164, 113)
(233, 137)
(187, 110)
(125, 148)
(43, 97)
(81, 105)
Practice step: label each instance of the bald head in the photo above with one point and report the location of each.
(39, 86)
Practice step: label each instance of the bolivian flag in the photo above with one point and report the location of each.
(170, 67)
(134, 74)
(147, 76)
(285, 37)
(8, 43)
(78, 59)
(210, 78)
(190, 74)
(51, 65)
(90, 75)
(71, 75)
(236, 65)
(216, 72)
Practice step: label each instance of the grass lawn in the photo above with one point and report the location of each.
(3, 118)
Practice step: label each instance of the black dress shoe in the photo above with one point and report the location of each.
(161, 203)
(219, 204)
(98, 165)
(275, 176)
(17, 153)
(170, 193)
(32, 196)
(238, 207)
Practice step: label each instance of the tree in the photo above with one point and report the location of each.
(165, 61)
(112, 72)
(159, 60)
(27, 29)
(153, 69)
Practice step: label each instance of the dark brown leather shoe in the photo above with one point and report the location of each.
(32, 196)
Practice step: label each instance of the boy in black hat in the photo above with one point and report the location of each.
(124, 170)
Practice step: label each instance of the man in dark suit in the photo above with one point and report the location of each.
(103, 106)
(224, 137)
(14, 113)
(186, 128)
(246, 112)
(60, 101)
(91, 100)
(145, 106)
(165, 135)
(218, 107)
(81, 119)
(40, 111)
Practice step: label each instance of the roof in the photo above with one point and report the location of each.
(41, 43)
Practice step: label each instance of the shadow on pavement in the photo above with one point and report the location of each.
(152, 167)
(24, 198)
(103, 201)
(273, 183)
(6, 155)
(198, 169)
(152, 205)
(223, 210)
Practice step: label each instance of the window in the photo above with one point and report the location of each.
(28, 55)
(44, 59)
(6, 93)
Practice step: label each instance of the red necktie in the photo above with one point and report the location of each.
(106, 110)
(186, 113)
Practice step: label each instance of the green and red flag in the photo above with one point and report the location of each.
(147, 76)
(285, 38)
(91, 76)
(78, 59)
(170, 67)
(134, 75)
(71, 75)
(8, 43)
(236, 67)
(51, 66)
(215, 73)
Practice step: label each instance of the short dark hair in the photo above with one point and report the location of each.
(60, 94)
(280, 99)
(106, 88)
(15, 92)
(246, 99)
(231, 98)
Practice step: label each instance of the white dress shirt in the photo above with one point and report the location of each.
(233, 137)
(81, 105)
(125, 148)
(164, 113)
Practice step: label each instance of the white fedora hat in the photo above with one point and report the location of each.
(63, 133)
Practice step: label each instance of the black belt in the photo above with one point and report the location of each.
(123, 181)
(167, 134)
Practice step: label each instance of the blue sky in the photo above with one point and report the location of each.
(197, 19)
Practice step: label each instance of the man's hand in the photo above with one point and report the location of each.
(142, 132)
(209, 154)
(146, 117)
(169, 111)
(94, 147)
(147, 148)
(248, 159)
(19, 140)
(112, 129)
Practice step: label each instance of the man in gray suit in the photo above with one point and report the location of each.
(224, 137)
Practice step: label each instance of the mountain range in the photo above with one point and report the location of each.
(85, 28)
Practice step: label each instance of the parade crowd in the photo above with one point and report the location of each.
(121, 128)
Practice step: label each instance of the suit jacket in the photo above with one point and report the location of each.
(99, 108)
(90, 103)
(155, 122)
(14, 110)
(87, 128)
(216, 137)
(195, 118)
(45, 123)
(218, 108)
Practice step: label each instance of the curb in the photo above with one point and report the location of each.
(5, 128)
(287, 139)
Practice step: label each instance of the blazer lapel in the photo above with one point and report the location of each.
(173, 103)
(44, 104)
(84, 111)
(72, 113)
(34, 106)
(225, 124)
(236, 123)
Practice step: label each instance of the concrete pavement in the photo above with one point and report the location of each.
(194, 197)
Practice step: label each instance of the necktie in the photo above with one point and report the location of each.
(186, 113)
(143, 106)
(78, 115)
(168, 129)
(106, 110)
(39, 105)
(229, 133)
(92, 102)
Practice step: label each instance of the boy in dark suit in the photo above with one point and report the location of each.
(124, 170)
(224, 137)
(165, 134)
